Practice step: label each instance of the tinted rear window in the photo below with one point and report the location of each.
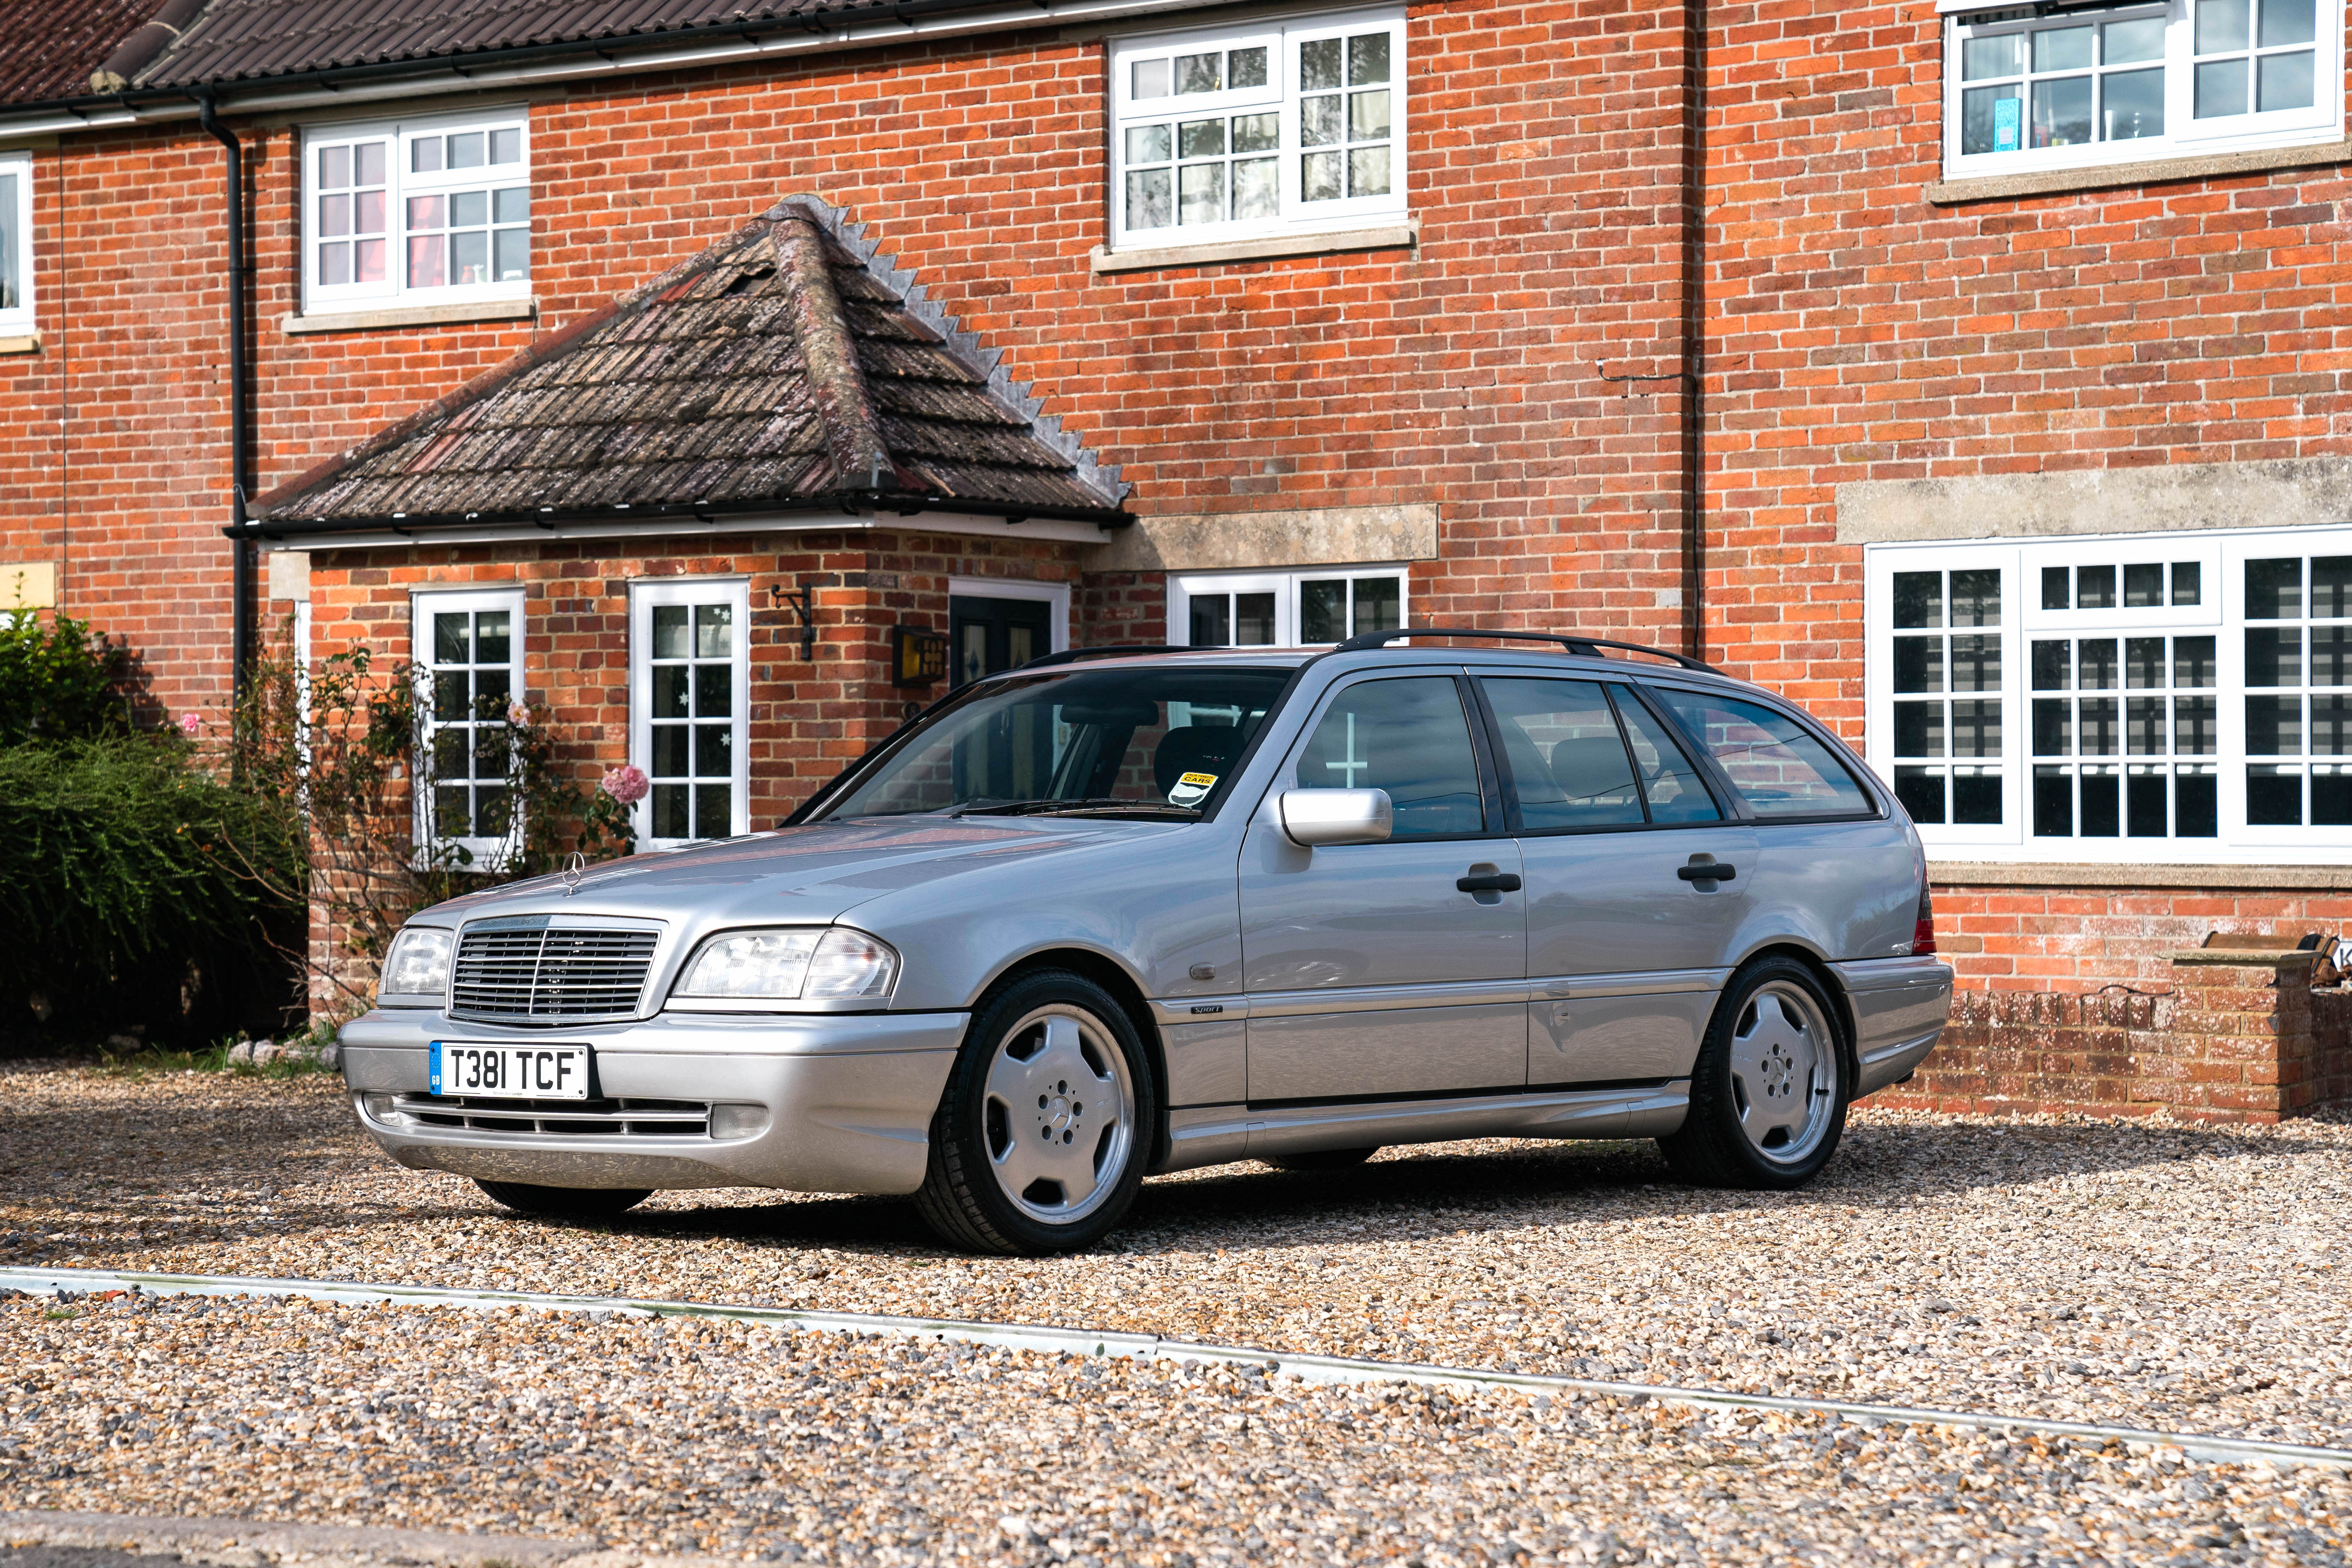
(1774, 762)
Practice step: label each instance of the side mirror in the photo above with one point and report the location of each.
(1320, 816)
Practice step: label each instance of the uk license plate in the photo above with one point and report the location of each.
(509, 1072)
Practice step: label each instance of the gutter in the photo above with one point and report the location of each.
(913, 21)
(240, 477)
(855, 501)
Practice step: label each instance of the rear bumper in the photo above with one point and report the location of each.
(827, 1103)
(1900, 1007)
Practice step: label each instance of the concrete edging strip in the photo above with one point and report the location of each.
(282, 1539)
(1322, 1369)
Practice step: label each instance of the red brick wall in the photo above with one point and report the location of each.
(2079, 939)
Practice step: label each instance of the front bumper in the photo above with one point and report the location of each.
(848, 1101)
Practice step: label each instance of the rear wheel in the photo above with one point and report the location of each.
(1322, 1159)
(1040, 1142)
(1769, 1091)
(565, 1203)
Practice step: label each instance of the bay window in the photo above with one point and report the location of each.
(416, 212)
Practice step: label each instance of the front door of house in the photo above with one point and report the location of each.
(985, 636)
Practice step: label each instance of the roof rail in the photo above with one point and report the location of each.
(1588, 646)
(1116, 650)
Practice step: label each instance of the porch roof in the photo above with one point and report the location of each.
(777, 371)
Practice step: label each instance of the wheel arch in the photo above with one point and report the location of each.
(1128, 991)
(1842, 1014)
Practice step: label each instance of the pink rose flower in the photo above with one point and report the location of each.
(626, 785)
(518, 715)
(190, 724)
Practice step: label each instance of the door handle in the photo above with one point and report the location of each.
(1489, 882)
(1707, 871)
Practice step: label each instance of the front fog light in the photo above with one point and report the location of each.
(831, 965)
(378, 1107)
(738, 1120)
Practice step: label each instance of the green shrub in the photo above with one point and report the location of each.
(59, 681)
(137, 887)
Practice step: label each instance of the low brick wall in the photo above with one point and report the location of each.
(2222, 1035)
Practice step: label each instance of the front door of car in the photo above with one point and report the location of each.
(1627, 946)
(1371, 972)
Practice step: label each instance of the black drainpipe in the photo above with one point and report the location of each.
(241, 616)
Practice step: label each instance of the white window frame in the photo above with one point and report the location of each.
(668, 591)
(2222, 555)
(20, 318)
(1288, 587)
(399, 138)
(1281, 95)
(2184, 135)
(1055, 595)
(488, 853)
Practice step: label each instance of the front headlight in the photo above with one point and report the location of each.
(418, 964)
(831, 965)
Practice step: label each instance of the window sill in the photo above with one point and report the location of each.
(2081, 877)
(412, 316)
(1262, 248)
(2159, 171)
(20, 343)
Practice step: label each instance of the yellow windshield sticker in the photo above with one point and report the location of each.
(1191, 789)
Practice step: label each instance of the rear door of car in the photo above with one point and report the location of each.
(1628, 942)
(1371, 972)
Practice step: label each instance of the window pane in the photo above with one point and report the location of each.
(669, 631)
(2195, 726)
(367, 213)
(669, 692)
(368, 261)
(669, 812)
(1976, 664)
(2145, 815)
(334, 264)
(2193, 661)
(2053, 664)
(2062, 48)
(2187, 581)
(2287, 22)
(1323, 610)
(1670, 783)
(1918, 598)
(1148, 79)
(2053, 802)
(1147, 143)
(469, 209)
(1318, 121)
(1919, 663)
(714, 750)
(1408, 737)
(714, 811)
(2196, 803)
(1318, 177)
(469, 257)
(1201, 139)
(2057, 588)
(425, 155)
(2144, 726)
(1148, 204)
(2274, 726)
(1976, 796)
(669, 751)
(2062, 112)
(2331, 799)
(334, 168)
(506, 146)
(513, 255)
(1368, 116)
(2054, 727)
(493, 641)
(2220, 88)
(1245, 67)
(714, 691)
(2143, 662)
(1984, 59)
(1379, 604)
(1213, 621)
(490, 812)
(1319, 64)
(1199, 73)
(1976, 730)
(1368, 172)
(2143, 586)
(427, 266)
(1257, 188)
(1918, 728)
(1782, 770)
(714, 630)
(1921, 791)
(2096, 732)
(1976, 598)
(1992, 119)
(1257, 133)
(335, 212)
(2282, 82)
(2331, 587)
(367, 163)
(1201, 193)
(2094, 587)
(1568, 764)
(2142, 38)
(452, 811)
(2331, 726)
(1254, 620)
(2273, 590)
(1368, 59)
(2132, 106)
(2274, 656)
(2220, 26)
(2274, 796)
(2331, 656)
(452, 638)
(2094, 664)
(2102, 803)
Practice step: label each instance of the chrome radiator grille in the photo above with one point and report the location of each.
(550, 973)
(561, 1118)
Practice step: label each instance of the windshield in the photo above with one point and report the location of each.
(1133, 742)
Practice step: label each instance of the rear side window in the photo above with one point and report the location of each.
(1669, 782)
(1568, 763)
(1409, 737)
(1772, 761)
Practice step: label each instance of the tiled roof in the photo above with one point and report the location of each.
(48, 48)
(776, 371)
(241, 40)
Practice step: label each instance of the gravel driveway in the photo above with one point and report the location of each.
(2180, 1278)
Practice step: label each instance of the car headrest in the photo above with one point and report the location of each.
(1194, 747)
(1590, 767)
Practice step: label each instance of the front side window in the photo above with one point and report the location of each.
(2104, 84)
(1259, 130)
(1410, 737)
(438, 210)
(1285, 609)
(2183, 696)
(690, 664)
(15, 243)
(469, 658)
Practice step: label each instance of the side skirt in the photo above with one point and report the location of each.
(1213, 1134)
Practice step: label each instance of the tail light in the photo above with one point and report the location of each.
(1922, 935)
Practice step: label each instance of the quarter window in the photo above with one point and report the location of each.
(430, 211)
(1777, 766)
(15, 243)
(688, 709)
(470, 671)
(1259, 130)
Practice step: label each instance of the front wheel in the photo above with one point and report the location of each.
(1040, 1142)
(1769, 1092)
(565, 1203)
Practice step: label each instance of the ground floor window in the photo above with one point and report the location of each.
(1285, 609)
(2174, 696)
(469, 668)
(689, 670)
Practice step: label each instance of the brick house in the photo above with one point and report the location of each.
(1969, 371)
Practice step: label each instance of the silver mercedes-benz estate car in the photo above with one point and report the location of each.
(1103, 917)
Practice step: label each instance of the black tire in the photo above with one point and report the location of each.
(1088, 1163)
(565, 1203)
(1773, 1068)
(1322, 1159)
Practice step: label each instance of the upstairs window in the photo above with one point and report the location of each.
(15, 243)
(1258, 131)
(2038, 88)
(436, 211)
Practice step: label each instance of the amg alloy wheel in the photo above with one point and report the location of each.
(1769, 1091)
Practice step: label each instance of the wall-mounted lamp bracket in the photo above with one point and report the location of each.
(803, 601)
(1601, 368)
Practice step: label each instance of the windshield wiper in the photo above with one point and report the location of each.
(1092, 807)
